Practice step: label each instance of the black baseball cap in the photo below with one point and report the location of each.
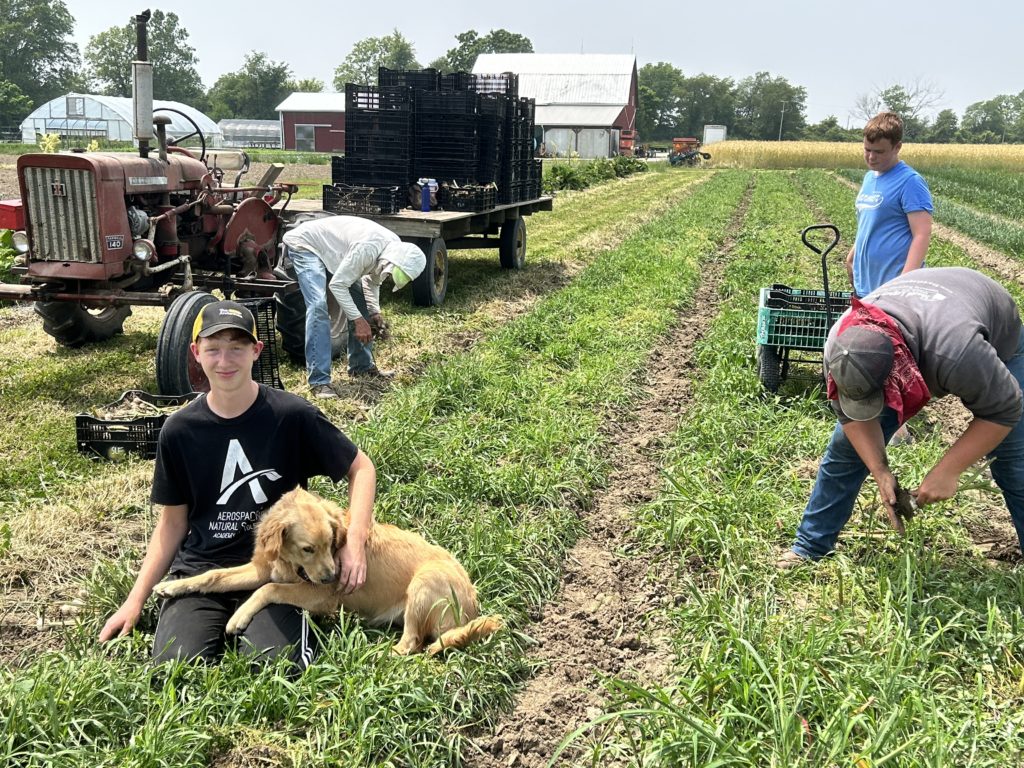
(221, 316)
(859, 361)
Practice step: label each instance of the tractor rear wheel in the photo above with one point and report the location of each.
(291, 322)
(177, 370)
(73, 325)
(770, 367)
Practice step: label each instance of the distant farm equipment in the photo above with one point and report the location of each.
(686, 151)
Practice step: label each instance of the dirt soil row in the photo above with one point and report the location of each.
(601, 624)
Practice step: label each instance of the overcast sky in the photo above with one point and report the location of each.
(969, 51)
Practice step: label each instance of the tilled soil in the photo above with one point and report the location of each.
(602, 623)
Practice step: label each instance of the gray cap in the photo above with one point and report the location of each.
(859, 361)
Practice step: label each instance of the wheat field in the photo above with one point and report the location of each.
(825, 154)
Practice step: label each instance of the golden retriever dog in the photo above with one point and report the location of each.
(408, 580)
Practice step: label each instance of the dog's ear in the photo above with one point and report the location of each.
(270, 536)
(338, 525)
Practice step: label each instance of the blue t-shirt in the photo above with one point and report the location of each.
(883, 232)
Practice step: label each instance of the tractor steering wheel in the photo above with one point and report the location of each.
(197, 132)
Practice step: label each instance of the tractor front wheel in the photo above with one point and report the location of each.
(73, 325)
(177, 370)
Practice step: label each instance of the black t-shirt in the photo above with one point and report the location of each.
(229, 471)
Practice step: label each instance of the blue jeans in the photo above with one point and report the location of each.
(312, 277)
(842, 473)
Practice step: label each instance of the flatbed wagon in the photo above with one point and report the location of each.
(435, 232)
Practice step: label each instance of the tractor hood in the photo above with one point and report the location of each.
(135, 175)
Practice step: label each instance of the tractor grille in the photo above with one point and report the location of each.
(62, 214)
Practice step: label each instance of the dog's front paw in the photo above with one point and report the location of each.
(238, 622)
(172, 588)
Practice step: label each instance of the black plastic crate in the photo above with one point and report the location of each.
(462, 172)
(446, 102)
(470, 198)
(377, 173)
(525, 109)
(367, 146)
(506, 83)
(337, 169)
(344, 198)
(266, 370)
(372, 98)
(113, 437)
(455, 81)
(425, 79)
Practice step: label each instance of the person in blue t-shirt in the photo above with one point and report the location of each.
(894, 216)
(894, 210)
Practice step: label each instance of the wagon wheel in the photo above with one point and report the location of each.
(512, 247)
(771, 367)
(430, 287)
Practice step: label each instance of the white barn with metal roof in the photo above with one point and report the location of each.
(586, 102)
(90, 116)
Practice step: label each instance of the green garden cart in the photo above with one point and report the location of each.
(792, 323)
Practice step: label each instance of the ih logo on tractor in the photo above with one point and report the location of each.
(57, 189)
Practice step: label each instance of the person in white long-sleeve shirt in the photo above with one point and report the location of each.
(351, 257)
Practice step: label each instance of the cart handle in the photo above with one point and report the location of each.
(824, 259)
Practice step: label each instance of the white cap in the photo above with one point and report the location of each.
(407, 257)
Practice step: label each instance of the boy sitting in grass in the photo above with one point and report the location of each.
(221, 462)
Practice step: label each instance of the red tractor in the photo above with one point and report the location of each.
(104, 232)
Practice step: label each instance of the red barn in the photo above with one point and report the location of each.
(313, 122)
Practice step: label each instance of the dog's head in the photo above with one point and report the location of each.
(301, 531)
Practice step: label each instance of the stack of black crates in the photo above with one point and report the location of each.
(473, 134)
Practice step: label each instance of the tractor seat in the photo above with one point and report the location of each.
(227, 160)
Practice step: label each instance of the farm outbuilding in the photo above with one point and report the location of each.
(250, 133)
(84, 117)
(313, 122)
(586, 102)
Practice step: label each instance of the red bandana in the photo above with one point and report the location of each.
(905, 390)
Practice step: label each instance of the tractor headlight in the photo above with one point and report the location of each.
(143, 250)
(20, 241)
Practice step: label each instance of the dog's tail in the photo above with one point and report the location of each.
(460, 637)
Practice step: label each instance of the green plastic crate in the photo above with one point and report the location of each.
(797, 319)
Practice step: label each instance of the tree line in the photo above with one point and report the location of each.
(39, 61)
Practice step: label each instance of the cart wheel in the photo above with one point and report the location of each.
(769, 367)
(429, 289)
(177, 371)
(512, 248)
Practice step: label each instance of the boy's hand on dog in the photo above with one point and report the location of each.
(351, 567)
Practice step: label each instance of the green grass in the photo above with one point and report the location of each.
(894, 652)
(973, 214)
(491, 452)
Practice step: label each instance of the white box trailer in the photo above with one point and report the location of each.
(713, 133)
